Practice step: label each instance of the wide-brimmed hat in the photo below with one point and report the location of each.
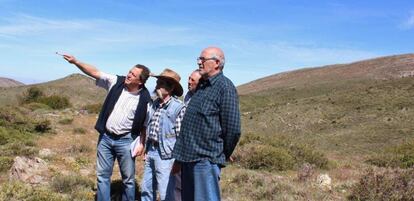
(172, 76)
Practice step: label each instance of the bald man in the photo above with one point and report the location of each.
(193, 80)
(210, 130)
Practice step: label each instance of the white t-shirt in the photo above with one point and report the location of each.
(122, 116)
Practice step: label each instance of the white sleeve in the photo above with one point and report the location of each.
(106, 80)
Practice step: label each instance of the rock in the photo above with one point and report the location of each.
(324, 181)
(29, 170)
(45, 153)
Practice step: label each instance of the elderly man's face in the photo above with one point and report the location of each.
(207, 64)
(193, 81)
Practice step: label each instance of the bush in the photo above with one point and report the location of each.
(401, 156)
(82, 148)
(55, 101)
(93, 108)
(33, 94)
(42, 126)
(305, 154)
(287, 155)
(5, 163)
(66, 121)
(385, 184)
(70, 183)
(265, 157)
(79, 130)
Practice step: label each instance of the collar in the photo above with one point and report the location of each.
(212, 80)
(164, 105)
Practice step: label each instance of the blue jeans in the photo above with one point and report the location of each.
(110, 148)
(200, 181)
(157, 176)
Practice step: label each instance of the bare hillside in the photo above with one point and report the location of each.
(378, 68)
(7, 82)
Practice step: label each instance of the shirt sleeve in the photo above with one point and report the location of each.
(106, 80)
(178, 120)
(230, 119)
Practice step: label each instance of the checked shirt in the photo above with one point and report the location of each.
(211, 125)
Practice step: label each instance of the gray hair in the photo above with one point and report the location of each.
(221, 59)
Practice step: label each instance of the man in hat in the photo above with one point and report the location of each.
(210, 130)
(120, 121)
(163, 122)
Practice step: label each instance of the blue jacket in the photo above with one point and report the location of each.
(167, 135)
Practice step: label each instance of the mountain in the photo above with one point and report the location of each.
(80, 89)
(7, 82)
(377, 69)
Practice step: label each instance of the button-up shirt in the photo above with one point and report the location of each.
(211, 125)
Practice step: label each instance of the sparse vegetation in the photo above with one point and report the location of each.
(20, 191)
(385, 184)
(70, 183)
(66, 121)
(79, 130)
(93, 108)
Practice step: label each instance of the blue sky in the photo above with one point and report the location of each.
(259, 37)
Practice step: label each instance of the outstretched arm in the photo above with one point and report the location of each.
(86, 68)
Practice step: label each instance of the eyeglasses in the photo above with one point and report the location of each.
(202, 59)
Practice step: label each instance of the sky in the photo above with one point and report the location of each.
(259, 37)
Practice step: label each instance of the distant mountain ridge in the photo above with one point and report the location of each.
(7, 82)
(388, 67)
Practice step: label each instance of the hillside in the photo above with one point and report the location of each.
(379, 68)
(80, 90)
(359, 108)
(7, 82)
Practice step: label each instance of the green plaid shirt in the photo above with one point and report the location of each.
(211, 125)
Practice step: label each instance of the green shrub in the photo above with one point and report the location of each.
(33, 94)
(289, 154)
(401, 156)
(5, 163)
(70, 183)
(265, 157)
(305, 154)
(55, 101)
(93, 108)
(66, 121)
(79, 130)
(384, 184)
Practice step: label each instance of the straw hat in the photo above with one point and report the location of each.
(172, 76)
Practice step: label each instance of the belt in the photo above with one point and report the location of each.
(115, 135)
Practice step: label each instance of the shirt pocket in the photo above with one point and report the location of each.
(210, 106)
